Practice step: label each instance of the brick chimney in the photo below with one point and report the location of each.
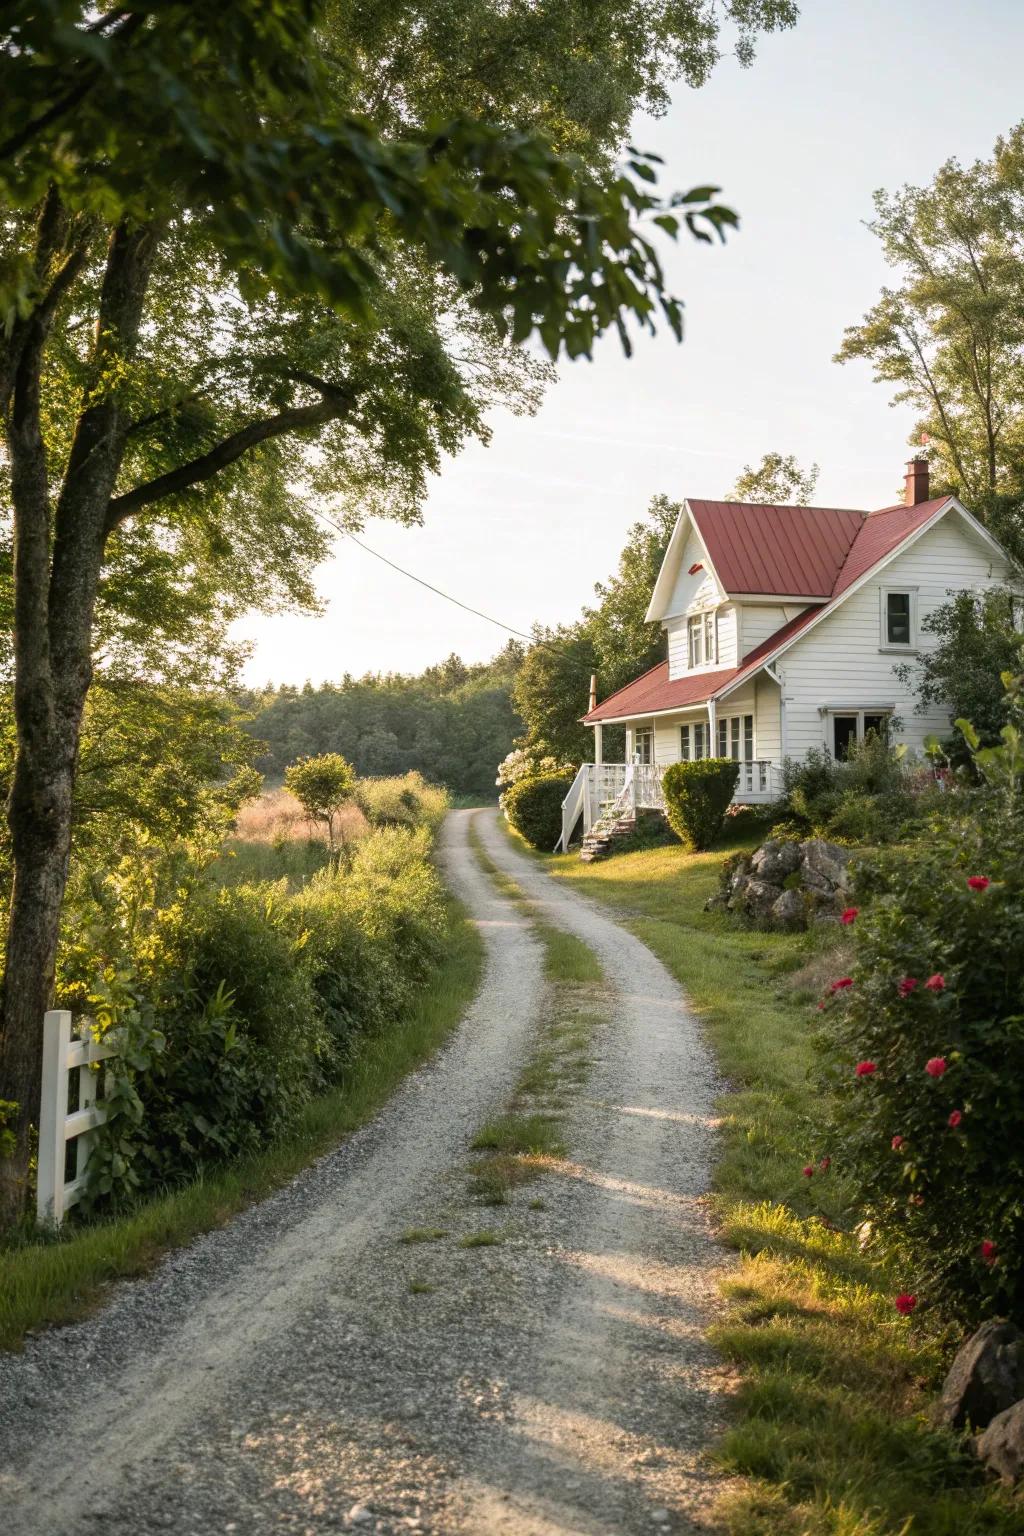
(916, 482)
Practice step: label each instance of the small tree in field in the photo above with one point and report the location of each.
(323, 786)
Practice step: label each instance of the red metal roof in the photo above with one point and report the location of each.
(880, 534)
(789, 551)
(653, 692)
(785, 551)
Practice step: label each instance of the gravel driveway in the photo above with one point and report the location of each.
(304, 1370)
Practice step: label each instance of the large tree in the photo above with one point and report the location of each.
(232, 232)
(949, 334)
(611, 639)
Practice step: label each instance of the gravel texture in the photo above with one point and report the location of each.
(305, 1370)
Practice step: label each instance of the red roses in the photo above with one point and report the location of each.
(865, 1068)
(905, 1304)
(936, 1066)
(979, 882)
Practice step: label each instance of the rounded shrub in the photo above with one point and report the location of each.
(534, 808)
(697, 796)
(925, 1049)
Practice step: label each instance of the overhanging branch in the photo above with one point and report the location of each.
(298, 418)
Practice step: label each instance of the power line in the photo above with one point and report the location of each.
(520, 634)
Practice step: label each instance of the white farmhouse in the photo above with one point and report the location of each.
(784, 625)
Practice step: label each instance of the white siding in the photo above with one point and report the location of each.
(727, 654)
(688, 590)
(841, 663)
(667, 739)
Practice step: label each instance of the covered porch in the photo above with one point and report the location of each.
(619, 789)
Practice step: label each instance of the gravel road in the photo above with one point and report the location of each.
(304, 1370)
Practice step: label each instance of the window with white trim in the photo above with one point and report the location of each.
(701, 639)
(899, 618)
(847, 729)
(695, 640)
(736, 737)
(693, 741)
(643, 744)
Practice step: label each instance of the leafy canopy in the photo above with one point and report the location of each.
(777, 480)
(949, 333)
(322, 786)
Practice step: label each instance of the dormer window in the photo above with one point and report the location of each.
(700, 638)
(695, 640)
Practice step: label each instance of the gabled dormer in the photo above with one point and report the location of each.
(735, 573)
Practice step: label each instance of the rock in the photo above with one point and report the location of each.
(776, 859)
(790, 912)
(759, 898)
(985, 1379)
(823, 865)
(1001, 1447)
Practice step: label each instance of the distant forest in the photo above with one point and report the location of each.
(454, 722)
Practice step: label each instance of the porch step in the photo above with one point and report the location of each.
(604, 834)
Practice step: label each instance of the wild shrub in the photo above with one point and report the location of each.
(405, 801)
(697, 796)
(236, 1004)
(925, 1041)
(871, 797)
(534, 808)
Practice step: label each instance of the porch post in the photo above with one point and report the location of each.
(712, 744)
(599, 743)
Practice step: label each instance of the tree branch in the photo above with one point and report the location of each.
(298, 418)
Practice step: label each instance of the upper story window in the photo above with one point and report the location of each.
(700, 638)
(899, 617)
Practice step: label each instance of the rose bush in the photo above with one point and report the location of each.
(925, 1052)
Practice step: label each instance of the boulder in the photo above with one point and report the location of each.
(823, 866)
(775, 859)
(789, 911)
(1001, 1447)
(985, 1379)
(759, 898)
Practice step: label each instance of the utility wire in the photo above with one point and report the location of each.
(520, 634)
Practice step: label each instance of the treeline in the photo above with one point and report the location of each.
(453, 723)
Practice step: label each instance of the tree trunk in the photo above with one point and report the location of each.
(39, 815)
(56, 577)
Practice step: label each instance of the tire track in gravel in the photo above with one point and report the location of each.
(84, 1409)
(623, 1394)
(282, 1375)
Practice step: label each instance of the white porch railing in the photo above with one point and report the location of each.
(620, 786)
(62, 1055)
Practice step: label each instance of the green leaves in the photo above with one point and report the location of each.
(223, 115)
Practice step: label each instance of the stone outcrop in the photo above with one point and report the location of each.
(785, 884)
(985, 1379)
(1001, 1447)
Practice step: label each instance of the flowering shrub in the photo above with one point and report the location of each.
(926, 1108)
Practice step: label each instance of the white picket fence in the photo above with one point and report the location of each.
(63, 1054)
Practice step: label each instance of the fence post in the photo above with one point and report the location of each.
(53, 1113)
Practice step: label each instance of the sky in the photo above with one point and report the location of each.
(857, 96)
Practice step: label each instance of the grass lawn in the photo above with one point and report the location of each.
(829, 1434)
(58, 1281)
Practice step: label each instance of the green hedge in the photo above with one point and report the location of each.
(534, 808)
(697, 796)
